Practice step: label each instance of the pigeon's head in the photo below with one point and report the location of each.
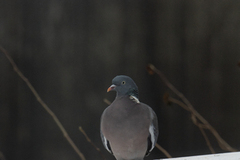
(124, 85)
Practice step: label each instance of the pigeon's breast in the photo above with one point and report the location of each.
(126, 118)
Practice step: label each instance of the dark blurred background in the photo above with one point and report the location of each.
(71, 50)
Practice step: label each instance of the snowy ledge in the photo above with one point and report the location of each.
(220, 156)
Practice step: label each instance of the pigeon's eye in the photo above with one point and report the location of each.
(123, 82)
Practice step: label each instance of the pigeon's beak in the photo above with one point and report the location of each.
(112, 87)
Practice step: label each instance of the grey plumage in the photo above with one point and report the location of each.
(129, 128)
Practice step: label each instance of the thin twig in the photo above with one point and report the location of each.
(222, 143)
(90, 141)
(157, 145)
(163, 150)
(49, 111)
(207, 140)
(106, 101)
(2, 157)
(173, 100)
(201, 128)
(194, 120)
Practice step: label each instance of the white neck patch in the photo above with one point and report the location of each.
(134, 99)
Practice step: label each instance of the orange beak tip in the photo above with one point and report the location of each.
(112, 87)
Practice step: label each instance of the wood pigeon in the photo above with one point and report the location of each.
(129, 128)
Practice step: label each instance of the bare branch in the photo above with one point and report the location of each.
(194, 120)
(2, 157)
(207, 140)
(168, 99)
(106, 101)
(222, 143)
(163, 150)
(49, 111)
(90, 141)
